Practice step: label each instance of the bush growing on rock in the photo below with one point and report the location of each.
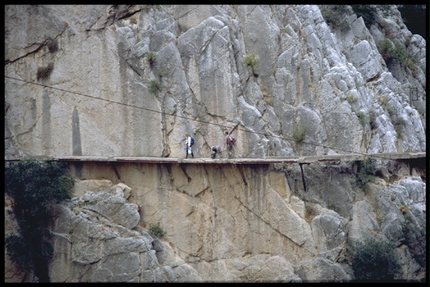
(150, 56)
(391, 52)
(367, 12)
(363, 119)
(33, 185)
(374, 260)
(364, 174)
(335, 15)
(251, 62)
(155, 229)
(299, 133)
(154, 86)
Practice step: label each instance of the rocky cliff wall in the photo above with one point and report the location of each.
(231, 223)
(79, 82)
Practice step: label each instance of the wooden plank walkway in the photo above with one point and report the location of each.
(267, 160)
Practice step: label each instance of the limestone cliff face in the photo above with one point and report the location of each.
(231, 223)
(96, 97)
(79, 81)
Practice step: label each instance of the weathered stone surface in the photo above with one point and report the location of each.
(236, 223)
(329, 230)
(200, 67)
(259, 227)
(89, 239)
(363, 223)
(323, 270)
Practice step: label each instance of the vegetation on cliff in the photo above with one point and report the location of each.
(33, 185)
(374, 260)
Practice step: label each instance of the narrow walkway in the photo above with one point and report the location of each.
(268, 160)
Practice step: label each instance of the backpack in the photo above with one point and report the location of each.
(192, 141)
(231, 139)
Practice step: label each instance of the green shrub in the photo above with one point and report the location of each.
(374, 260)
(160, 73)
(390, 110)
(367, 12)
(384, 48)
(403, 56)
(17, 250)
(150, 56)
(351, 99)
(34, 185)
(362, 179)
(154, 86)
(251, 62)
(155, 229)
(363, 119)
(299, 133)
(365, 173)
(334, 15)
(368, 165)
(390, 52)
(332, 206)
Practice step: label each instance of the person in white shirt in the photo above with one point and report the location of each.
(188, 145)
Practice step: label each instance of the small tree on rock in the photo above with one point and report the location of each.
(34, 185)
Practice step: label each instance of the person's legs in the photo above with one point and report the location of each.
(230, 150)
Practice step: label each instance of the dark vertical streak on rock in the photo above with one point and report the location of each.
(46, 123)
(76, 135)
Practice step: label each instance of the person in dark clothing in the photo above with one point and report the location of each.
(215, 150)
(229, 142)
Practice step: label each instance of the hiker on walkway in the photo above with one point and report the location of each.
(189, 142)
(215, 149)
(229, 142)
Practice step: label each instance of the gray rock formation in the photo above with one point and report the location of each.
(97, 99)
(96, 239)
(231, 224)
(79, 81)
